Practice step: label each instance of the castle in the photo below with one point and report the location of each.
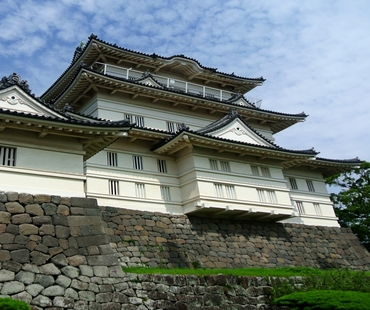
(159, 134)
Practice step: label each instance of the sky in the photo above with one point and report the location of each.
(313, 54)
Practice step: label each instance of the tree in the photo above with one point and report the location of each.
(352, 203)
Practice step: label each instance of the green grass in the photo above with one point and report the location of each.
(249, 272)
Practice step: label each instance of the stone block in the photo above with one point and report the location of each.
(39, 258)
(59, 260)
(12, 287)
(55, 251)
(12, 196)
(78, 220)
(25, 198)
(20, 256)
(6, 275)
(77, 260)
(4, 256)
(50, 241)
(34, 289)
(3, 197)
(41, 198)
(34, 209)
(5, 217)
(42, 301)
(71, 272)
(77, 211)
(102, 260)
(104, 297)
(12, 266)
(49, 208)
(54, 290)
(59, 219)
(47, 229)
(12, 229)
(63, 210)
(19, 239)
(79, 285)
(50, 269)
(86, 270)
(71, 293)
(24, 296)
(101, 271)
(23, 218)
(6, 238)
(28, 229)
(25, 277)
(84, 202)
(63, 302)
(42, 219)
(62, 232)
(14, 207)
(63, 281)
(55, 199)
(44, 280)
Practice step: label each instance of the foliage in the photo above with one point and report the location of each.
(11, 304)
(336, 279)
(249, 272)
(352, 203)
(325, 299)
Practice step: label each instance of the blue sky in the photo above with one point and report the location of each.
(313, 54)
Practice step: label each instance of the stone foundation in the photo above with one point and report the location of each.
(67, 253)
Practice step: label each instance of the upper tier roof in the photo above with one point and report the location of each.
(96, 49)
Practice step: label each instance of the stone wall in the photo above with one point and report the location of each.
(66, 253)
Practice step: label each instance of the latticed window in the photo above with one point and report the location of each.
(112, 159)
(265, 172)
(300, 207)
(139, 120)
(140, 190)
(137, 162)
(225, 165)
(271, 196)
(219, 191)
(317, 207)
(310, 186)
(7, 155)
(162, 165)
(293, 183)
(255, 170)
(113, 187)
(165, 193)
(172, 127)
(213, 163)
(230, 191)
(128, 117)
(261, 195)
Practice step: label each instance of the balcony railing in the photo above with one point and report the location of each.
(171, 83)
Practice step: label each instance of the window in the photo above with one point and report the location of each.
(271, 196)
(217, 165)
(162, 165)
(267, 196)
(140, 190)
(261, 195)
(310, 186)
(300, 207)
(213, 163)
(172, 127)
(230, 191)
(255, 170)
(265, 172)
(7, 155)
(112, 159)
(293, 183)
(139, 120)
(165, 193)
(128, 117)
(113, 187)
(219, 191)
(137, 162)
(317, 208)
(225, 166)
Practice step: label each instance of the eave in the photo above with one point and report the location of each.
(88, 80)
(187, 139)
(92, 136)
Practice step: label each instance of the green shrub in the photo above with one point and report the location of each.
(11, 304)
(325, 299)
(336, 279)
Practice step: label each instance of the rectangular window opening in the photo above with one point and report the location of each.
(261, 195)
(219, 190)
(255, 170)
(214, 164)
(230, 191)
(137, 162)
(293, 183)
(310, 186)
(7, 156)
(139, 120)
(265, 172)
(225, 166)
(162, 165)
(165, 193)
(300, 207)
(112, 159)
(318, 210)
(113, 187)
(140, 190)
